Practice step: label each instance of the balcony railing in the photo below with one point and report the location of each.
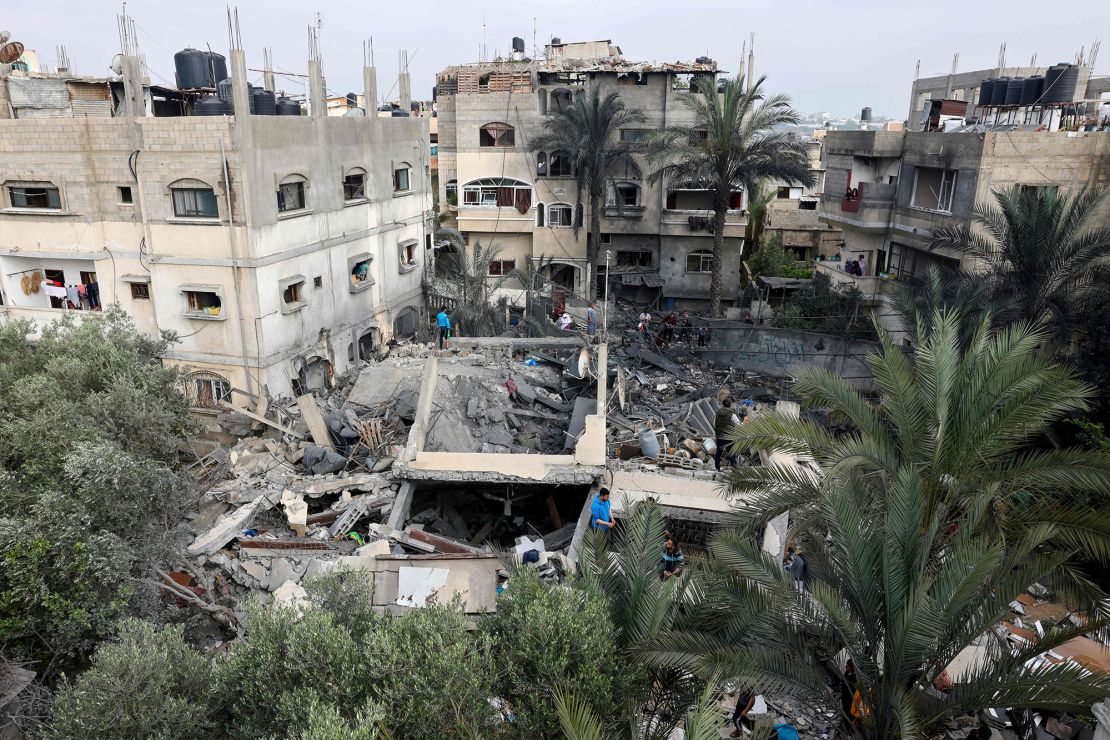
(867, 194)
(871, 287)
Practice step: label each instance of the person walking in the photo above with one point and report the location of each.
(674, 562)
(796, 566)
(443, 322)
(740, 719)
(591, 320)
(702, 333)
(724, 420)
(600, 516)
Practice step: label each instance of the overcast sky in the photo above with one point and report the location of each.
(833, 56)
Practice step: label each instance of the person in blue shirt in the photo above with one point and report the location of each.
(600, 518)
(443, 321)
(674, 562)
(591, 320)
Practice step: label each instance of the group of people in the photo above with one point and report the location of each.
(670, 323)
(856, 267)
(564, 321)
(601, 519)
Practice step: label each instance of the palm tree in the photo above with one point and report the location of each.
(901, 587)
(1044, 254)
(587, 129)
(759, 198)
(466, 281)
(917, 302)
(962, 419)
(734, 140)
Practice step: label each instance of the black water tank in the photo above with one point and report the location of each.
(986, 90)
(1031, 91)
(555, 41)
(865, 114)
(216, 67)
(191, 66)
(1067, 83)
(1014, 89)
(211, 105)
(998, 93)
(224, 90)
(352, 100)
(518, 44)
(1052, 84)
(287, 107)
(264, 103)
(398, 113)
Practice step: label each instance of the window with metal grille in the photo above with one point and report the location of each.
(354, 185)
(501, 267)
(699, 262)
(290, 196)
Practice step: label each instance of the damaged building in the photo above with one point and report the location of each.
(279, 247)
(498, 191)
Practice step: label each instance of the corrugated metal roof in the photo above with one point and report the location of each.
(30, 92)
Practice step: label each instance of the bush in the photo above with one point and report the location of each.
(550, 637)
(150, 684)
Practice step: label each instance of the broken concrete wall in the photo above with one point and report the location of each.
(781, 353)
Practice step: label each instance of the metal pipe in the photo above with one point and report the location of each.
(605, 314)
(235, 268)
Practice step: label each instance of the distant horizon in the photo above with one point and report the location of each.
(831, 58)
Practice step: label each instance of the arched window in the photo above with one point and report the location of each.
(625, 195)
(496, 134)
(451, 189)
(560, 165)
(560, 216)
(291, 193)
(193, 199)
(560, 100)
(207, 390)
(541, 164)
(354, 184)
(539, 214)
(542, 96)
(699, 261)
(498, 191)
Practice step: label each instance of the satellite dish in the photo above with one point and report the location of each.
(117, 64)
(10, 52)
(4, 36)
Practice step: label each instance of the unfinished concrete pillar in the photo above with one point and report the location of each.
(134, 101)
(405, 86)
(240, 93)
(316, 105)
(370, 90)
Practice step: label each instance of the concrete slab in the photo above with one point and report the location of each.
(415, 586)
(583, 407)
(228, 527)
(379, 383)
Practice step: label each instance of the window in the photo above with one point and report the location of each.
(498, 191)
(560, 216)
(208, 390)
(784, 193)
(933, 189)
(140, 291)
(501, 267)
(318, 282)
(627, 195)
(407, 255)
(290, 194)
(539, 214)
(633, 258)
(606, 238)
(292, 293)
(560, 165)
(808, 205)
(699, 262)
(452, 191)
(401, 181)
(35, 196)
(560, 100)
(359, 265)
(202, 303)
(354, 185)
(193, 199)
(635, 135)
(125, 195)
(541, 164)
(496, 134)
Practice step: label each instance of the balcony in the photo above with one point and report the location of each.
(872, 288)
(868, 207)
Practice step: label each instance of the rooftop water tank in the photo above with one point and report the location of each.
(1067, 83)
(264, 103)
(217, 68)
(986, 90)
(1031, 91)
(998, 92)
(196, 69)
(287, 107)
(211, 105)
(865, 114)
(398, 113)
(1053, 87)
(1013, 90)
(224, 90)
(518, 44)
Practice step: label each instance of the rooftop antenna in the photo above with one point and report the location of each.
(1002, 57)
(1033, 60)
(535, 50)
(485, 42)
(917, 70)
(1095, 46)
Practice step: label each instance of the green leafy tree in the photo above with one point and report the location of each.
(734, 140)
(1045, 254)
(149, 684)
(770, 259)
(588, 130)
(824, 307)
(543, 638)
(759, 199)
(464, 276)
(90, 423)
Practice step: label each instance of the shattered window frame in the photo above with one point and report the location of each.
(208, 390)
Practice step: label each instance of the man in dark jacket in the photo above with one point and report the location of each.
(724, 421)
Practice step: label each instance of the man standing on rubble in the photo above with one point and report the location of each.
(600, 516)
(591, 320)
(443, 322)
(722, 423)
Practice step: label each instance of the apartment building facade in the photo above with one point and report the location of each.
(498, 191)
(279, 249)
